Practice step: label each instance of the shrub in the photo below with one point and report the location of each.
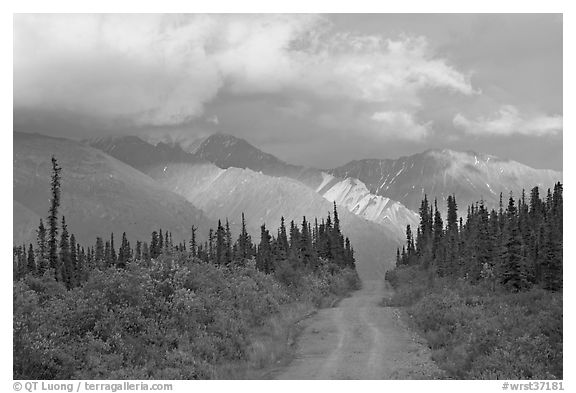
(176, 319)
(475, 333)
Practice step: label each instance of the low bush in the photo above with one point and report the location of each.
(178, 319)
(476, 333)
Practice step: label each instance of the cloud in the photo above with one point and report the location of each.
(400, 125)
(163, 69)
(509, 121)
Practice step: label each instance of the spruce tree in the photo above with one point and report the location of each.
(220, 244)
(424, 243)
(74, 261)
(244, 242)
(138, 251)
(264, 254)
(437, 241)
(410, 247)
(193, 246)
(210, 256)
(349, 253)
(306, 245)
(65, 257)
(124, 254)
(19, 262)
(283, 238)
(514, 274)
(31, 262)
(228, 244)
(99, 253)
(336, 220)
(42, 249)
(107, 253)
(53, 220)
(81, 265)
(452, 238)
(154, 245)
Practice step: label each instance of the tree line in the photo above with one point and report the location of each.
(515, 247)
(57, 251)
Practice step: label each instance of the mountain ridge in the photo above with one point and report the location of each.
(436, 172)
(442, 172)
(227, 151)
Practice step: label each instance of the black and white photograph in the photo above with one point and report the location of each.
(286, 196)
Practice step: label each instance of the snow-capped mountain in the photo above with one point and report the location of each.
(354, 195)
(439, 173)
(100, 194)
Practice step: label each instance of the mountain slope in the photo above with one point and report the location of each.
(99, 194)
(227, 151)
(354, 195)
(140, 154)
(265, 199)
(439, 173)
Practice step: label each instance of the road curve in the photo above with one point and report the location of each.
(359, 339)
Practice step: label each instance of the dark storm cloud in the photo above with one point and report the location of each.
(314, 89)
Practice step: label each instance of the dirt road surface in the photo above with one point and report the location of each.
(359, 339)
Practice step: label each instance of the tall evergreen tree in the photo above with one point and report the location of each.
(31, 262)
(437, 246)
(244, 242)
(53, 219)
(65, 257)
(138, 251)
(124, 254)
(81, 265)
(452, 238)
(42, 249)
(99, 252)
(112, 258)
(283, 237)
(155, 248)
(74, 261)
(264, 254)
(193, 246)
(210, 256)
(220, 244)
(228, 244)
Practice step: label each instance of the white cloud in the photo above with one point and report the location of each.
(163, 69)
(509, 121)
(213, 119)
(400, 125)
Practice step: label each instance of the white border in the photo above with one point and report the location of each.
(241, 6)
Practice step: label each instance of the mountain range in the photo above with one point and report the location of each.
(469, 176)
(129, 184)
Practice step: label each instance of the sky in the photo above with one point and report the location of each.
(317, 90)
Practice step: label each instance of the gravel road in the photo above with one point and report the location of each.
(359, 339)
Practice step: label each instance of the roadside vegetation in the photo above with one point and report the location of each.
(221, 309)
(487, 293)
